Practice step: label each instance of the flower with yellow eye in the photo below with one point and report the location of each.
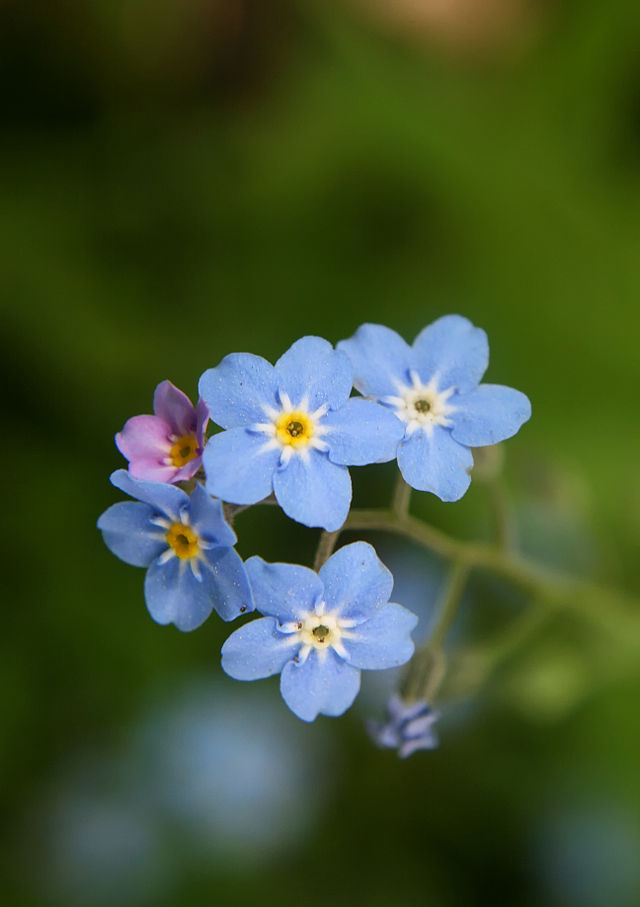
(321, 629)
(291, 429)
(165, 447)
(186, 544)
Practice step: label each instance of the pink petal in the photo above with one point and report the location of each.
(144, 437)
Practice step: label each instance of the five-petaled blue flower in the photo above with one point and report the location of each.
(292, 429)
(433, 388)
(409, 727)
(186, 544)
(321, 629)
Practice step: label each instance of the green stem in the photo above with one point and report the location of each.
(401, 497)
(616, 612)
(327, 543)
(428, 667)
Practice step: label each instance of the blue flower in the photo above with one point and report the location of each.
(409, 727)
(187, 546)
(321, 629)
(291, 429)
(433, 387)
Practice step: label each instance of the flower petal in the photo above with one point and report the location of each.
(164, 498)
(435, 462)
(312, 371)
(383, 641)
(144, 437)
(455, 349)
(238, 467)
(237, 390)
(356, 582)
(128, 533)
(283, 591)
(317, 686)
(202, 420)
(175, 408)
(207, 518)
(174, 595)
(362, 432)
(489, 414)
(314, 491)
(380, 358)
(258, 650)
(227, 583)
(151, 470)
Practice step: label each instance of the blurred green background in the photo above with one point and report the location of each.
(186, 178)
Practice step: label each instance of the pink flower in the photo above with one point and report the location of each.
(165, 447)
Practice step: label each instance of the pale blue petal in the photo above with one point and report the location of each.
(207, 518)
(174, 596)
(258, 650)
(435, 462)
(167, 499)
(319, 686)
(380, 357)
(355, 581)
(283, 591)
(236, 390)
(362, 432)
(227, 583)
(455, 349)
(384, 641)
(237, 466)
(128, 534)
(316, 492)
(489, 414)
(311, 369)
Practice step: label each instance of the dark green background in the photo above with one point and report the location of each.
(184, 180)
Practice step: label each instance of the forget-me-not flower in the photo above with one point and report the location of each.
(291, 429)
(409, 727)
(165, 447)
(187, 546)
(434, 388)
(321, 629)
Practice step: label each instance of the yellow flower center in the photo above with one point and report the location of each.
(294, 428)
(184, 450)
(183, 540)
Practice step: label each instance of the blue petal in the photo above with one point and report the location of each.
(312, 369)
(380, 358)
(383, 641)
(238, 467)
(489, 414)
(167, 499)
(362, 432)
(174, 595)
(435, 462)
(455, 349)
(356, 581)
(316, 492)
(207, 518)
(324, 686)
(128, 533)
(283, 591)
(258, 650)
(227, 583)
(236, 390)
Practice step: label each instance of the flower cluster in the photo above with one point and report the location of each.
(290, 431)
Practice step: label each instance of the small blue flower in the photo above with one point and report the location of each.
(187, 546)
(321, 629)
(291, 429)
(433, 388)
(409, 727)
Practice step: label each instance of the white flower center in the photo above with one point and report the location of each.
(320, 630)
(421, 405)
(293, 429)
(182, 542)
